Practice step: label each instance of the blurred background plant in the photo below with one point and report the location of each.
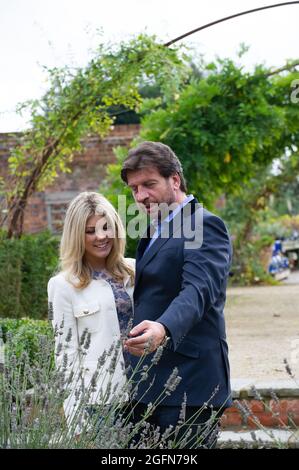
(26, 264)
(24, 335)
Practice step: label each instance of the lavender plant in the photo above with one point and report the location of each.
(33, 397)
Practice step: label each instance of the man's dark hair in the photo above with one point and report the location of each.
(157, 155)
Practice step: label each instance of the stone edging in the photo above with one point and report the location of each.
(242, 388)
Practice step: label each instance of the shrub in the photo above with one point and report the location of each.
(250, 262)
(25, 335)
(26, 264)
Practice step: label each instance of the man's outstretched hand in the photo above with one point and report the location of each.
(146, 337)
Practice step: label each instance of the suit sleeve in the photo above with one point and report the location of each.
(205, 270)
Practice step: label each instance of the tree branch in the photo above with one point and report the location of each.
(289, 66)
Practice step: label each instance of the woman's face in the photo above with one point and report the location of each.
(99, 238)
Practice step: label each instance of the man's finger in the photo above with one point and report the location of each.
(136, 351)
(139, 346)
(138, 340)
(139, 328)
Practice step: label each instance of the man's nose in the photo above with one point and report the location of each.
(141, 195)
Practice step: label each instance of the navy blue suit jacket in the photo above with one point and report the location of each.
(184, 289)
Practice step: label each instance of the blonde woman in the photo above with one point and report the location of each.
(91, 297)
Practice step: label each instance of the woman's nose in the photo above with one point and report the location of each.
(100, 234)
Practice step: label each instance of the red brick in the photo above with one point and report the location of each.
(285, 406)
(251, 421)
(232, 409)
(87, 169)
(256, 406)
(268, 420)
(229, 419)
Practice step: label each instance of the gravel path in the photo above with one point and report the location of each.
(262, 329)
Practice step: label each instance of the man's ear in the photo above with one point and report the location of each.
(176, 181)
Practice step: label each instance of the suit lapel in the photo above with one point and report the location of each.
(148, 256)
(142, 259)
(144, 241)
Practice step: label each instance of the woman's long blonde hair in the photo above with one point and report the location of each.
(72, 245)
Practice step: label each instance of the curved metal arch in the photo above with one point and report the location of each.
(226, 19)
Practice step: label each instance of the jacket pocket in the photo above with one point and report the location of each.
(88, 316)
(196, 350)
(189, 348)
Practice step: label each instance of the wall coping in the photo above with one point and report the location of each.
(243, 388)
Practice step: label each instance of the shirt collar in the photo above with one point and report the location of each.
(179, 208)
(172, 214)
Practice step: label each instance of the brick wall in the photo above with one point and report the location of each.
(46, 209)
(269, 413)
(272, 404)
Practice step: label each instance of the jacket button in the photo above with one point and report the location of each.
(85, 312)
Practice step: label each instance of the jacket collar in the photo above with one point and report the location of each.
(174, 225)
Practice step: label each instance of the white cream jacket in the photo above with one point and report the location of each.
(92, 308)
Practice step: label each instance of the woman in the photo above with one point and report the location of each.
(90, 300)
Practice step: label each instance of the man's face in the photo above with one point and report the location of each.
(149, 187)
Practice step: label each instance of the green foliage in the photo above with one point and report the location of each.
(286, 200)
(26, 264)
(254, 217)
(149, 92)
(25, 335)
(81, 102)
(276, 227)
(248, 267)
(226, 126)
(113, 187)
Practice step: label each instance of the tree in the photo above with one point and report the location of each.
(227, 126)
(77, 103)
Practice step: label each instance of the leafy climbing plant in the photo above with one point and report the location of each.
(79, 102)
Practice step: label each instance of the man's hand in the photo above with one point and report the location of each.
(146, 337)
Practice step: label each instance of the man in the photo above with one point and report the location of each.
(179, 293)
